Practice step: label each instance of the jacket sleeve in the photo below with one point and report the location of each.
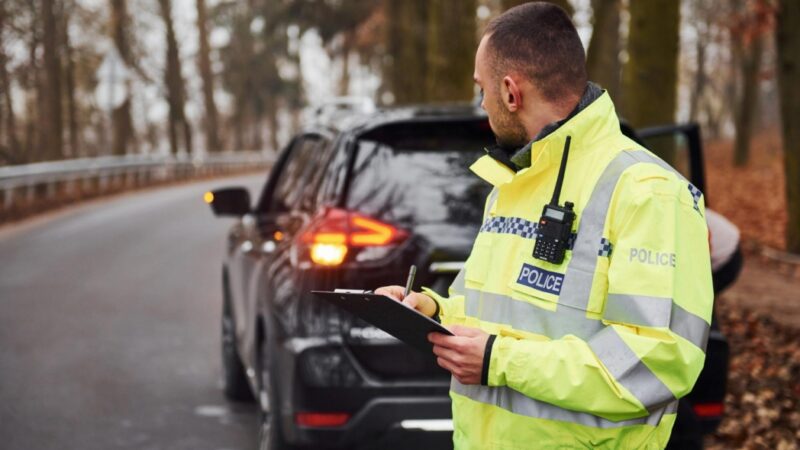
(656, 314)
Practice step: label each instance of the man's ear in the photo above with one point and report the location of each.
(512, 94)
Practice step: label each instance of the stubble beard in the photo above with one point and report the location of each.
(509, 132)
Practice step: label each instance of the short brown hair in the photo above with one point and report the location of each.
(539, 40)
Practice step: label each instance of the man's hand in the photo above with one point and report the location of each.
(462, 354)
(414, 300)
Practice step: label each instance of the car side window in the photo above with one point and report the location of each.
(333, 177)
(291, 183)
(313, 176)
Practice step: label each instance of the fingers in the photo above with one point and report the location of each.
(413, 300)
(448, 354)
(448, 366)
(455, 343)
(395, 292)
(460, 371)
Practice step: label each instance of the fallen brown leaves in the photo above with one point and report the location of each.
(762, 408)
(753, 197)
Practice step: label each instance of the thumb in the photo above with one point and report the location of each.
(411, 301)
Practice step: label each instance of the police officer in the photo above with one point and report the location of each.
(587, 341)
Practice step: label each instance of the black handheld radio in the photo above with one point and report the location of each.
(555, 225)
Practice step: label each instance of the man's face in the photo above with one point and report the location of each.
(507, 128)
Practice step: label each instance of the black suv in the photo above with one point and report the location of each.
(352, 202)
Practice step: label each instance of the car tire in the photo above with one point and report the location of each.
(270, 436)
(235, 383)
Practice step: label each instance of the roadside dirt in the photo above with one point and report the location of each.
(760, 316)
(767, 289)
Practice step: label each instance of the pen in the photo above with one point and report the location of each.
(412, 272)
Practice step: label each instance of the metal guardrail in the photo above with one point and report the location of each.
(23, 185)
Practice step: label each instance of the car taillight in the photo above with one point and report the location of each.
(336, 232)
(708, 410)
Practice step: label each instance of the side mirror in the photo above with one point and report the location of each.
(229, 201)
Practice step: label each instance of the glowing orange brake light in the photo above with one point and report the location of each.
(377, 233)
(332, 236)
(328, 254)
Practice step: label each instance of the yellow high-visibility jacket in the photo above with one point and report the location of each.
(593, 352)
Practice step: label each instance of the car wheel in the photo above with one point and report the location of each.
(269, 433)
(235, 382)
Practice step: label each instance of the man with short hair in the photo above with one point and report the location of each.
(594, 347)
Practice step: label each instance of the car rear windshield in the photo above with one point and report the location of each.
(417, 173)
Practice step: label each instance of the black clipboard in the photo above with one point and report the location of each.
(391, 316)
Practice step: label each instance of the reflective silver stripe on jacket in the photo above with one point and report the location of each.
(582, 266)
(511, 400)
(629, 370)
(657, 312)
(526, 317)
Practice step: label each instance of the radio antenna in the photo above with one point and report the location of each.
(561, 170)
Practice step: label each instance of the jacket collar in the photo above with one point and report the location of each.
(522, 157)
(594, 122)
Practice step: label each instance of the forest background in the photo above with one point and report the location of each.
(84, 78)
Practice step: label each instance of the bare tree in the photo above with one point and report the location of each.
(34, 88)
(602, 59)
(432, 48)
(204, 65)
(650, 77)
(750, 24)
(450, 50)
(176, 89)
(69, 80)
(123, 122)
(788, 44)
(407, 67)
(9, 151)
(52, 124)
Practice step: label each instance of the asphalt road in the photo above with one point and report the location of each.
(109, 326)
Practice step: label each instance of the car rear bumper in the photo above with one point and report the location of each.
(385, 423)
(381, 412)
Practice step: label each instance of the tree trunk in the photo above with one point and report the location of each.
(788, 45)
(272, 119)
(346, 51)
(204, 66)
(9, 121)
(450, 50)
(650, 77)
(408, 26)
(699, 85)
(747, 106)
(52, 123)
(602, 60)
(564, 4)
(432, 46)
(176, 89)
(69, 86)
(123, 122)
